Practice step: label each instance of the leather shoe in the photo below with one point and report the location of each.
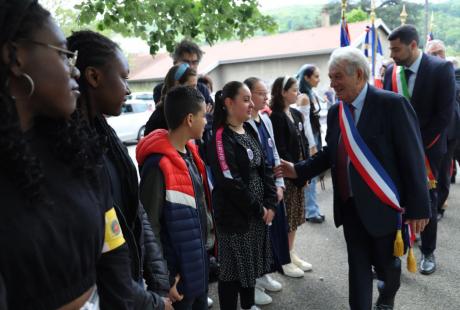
(384, 303)
(316, 219)
(383, 307)
(428, 264)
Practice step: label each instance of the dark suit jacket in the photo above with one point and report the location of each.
(433, 99)
(389, 127)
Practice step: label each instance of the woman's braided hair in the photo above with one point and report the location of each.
(96, 50)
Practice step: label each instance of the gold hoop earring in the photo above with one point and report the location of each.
(31, 83)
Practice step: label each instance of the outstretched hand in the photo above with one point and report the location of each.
(417, 226)
(285, 170)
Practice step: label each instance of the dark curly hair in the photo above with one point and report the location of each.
(18, 21)
(96, 50)
(186, 46)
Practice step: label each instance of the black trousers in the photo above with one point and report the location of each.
(365, 251)
(228, 295)
(429, 234)
(445, 174)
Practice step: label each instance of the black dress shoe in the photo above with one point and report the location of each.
(428, 264)
(383, 307)
(384, 303)
(316, 219)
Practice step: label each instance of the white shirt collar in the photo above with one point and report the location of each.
(416, 64)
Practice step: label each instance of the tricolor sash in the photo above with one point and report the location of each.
(399, 85)
(373, 174)
(365, 162)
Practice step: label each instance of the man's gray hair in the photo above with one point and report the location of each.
(352, 58)
(432, 43)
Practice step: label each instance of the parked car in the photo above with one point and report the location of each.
(147, 97)
(130, 124)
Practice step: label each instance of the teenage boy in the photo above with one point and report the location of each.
(175, 195)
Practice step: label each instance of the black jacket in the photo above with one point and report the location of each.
(389, 127)
(147, 260)
(433, 100)
(290, 137)
(233, 203)
(51, 253)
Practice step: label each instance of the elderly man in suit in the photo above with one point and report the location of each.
(387, 125)
(428, 83)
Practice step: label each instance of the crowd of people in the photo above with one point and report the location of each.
(225, 182)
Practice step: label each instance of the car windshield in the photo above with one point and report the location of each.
(144, 96)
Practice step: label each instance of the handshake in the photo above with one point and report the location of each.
(285, 170)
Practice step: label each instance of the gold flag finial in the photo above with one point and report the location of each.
(403, 15)
(372, 11)
(344, 8)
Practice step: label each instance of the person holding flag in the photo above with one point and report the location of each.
(374, 150)
(429, 84)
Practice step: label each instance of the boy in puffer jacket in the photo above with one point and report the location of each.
(175, 195)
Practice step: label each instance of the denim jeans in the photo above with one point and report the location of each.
(311, 202)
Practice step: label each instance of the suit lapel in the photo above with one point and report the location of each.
(418, 81)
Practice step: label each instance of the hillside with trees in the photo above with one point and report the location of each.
(446, 17)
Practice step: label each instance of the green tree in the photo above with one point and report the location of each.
(356, 15)
(162, 23)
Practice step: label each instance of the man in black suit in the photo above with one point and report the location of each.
(437, 48)
(388, 125)
(431, 91)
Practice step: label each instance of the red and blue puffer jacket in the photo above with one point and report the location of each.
(181, 231)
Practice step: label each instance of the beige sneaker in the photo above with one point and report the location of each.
(300, 263)
(292, 271)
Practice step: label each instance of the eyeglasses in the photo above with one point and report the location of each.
(261, 93)
(70, 57)
(191, 62)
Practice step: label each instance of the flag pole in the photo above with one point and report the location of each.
(374, 37)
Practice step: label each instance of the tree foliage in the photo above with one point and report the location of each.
(356, 15)
(294, 18)
(162, 23)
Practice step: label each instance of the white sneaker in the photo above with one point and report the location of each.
(292, 271)
(300, 263)
(210, 302)
(261, 298)
(268, 283)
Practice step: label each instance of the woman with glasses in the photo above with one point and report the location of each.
(104, 86)
(60, 237)
(262, 124)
